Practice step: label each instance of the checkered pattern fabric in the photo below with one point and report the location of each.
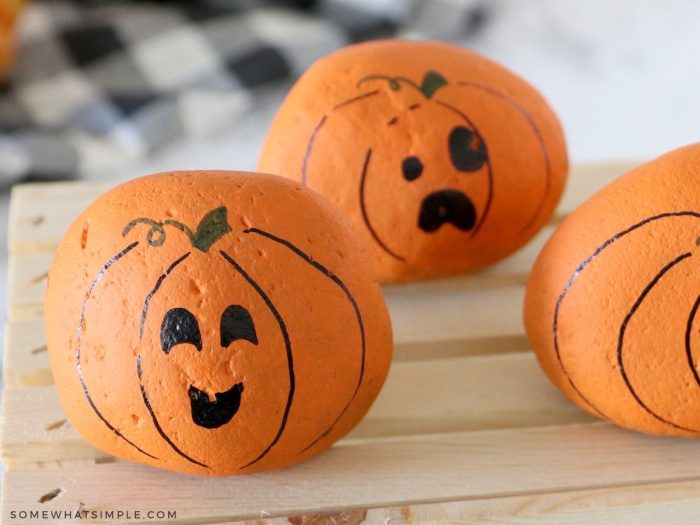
(97, 85)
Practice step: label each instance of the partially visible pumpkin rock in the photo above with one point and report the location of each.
(9, 13)
(214, 323)
(613, 302)
(444, 160)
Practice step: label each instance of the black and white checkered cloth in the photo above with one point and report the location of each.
(98, 85)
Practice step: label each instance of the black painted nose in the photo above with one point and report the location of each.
(443, 206)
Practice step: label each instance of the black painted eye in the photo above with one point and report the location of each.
(236, 324)
(179, 327)
(467, 152)
(412, 168)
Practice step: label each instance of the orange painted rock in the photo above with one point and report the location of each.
(445, 161)
(612, 302)
(214, 323)
(9, 11)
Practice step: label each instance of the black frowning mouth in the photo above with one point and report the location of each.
(446, 206)
(213, 414)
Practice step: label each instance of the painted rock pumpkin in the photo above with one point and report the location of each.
(444, 160)
(214, 323)
(9, 11)
(612, 303)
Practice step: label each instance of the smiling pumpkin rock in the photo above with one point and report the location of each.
(445, 161)
(214, 323)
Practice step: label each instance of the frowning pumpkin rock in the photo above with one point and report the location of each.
(214, 323)
(444, 160)
(613, 307)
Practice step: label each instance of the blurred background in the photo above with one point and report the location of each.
(100, 89)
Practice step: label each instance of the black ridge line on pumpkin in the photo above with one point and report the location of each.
(210, 229)
(540, 139)
(338, 282)
(395, 119)
(489, 198)
(688, 333)
(139, 373)
(78, 364)
(155, 420)
(363, 209)
(317, 128)
(580, 268)
(620, 344)
(150, 295)
(355, 99)
(288, 347)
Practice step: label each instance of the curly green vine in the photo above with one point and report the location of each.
(432, 81)
(210, 229)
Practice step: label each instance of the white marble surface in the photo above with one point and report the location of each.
(623, 76)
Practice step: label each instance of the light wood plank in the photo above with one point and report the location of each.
(586, 179)
(667, 503)
(41, 212)
(25, 358)
(460, 466)
(420, 397)
(454, 314)
(27, 283)
(489, 345)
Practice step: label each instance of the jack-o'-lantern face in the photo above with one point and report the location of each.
(443, 169)
(425, 169)
(215, 347)
(439, 185)
(218, 344)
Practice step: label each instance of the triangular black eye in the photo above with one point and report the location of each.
(179, 326)
(236, 323)
(467, 151)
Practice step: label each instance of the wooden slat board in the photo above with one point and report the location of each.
(467, 427)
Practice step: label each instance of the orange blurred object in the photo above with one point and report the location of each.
(9, 12)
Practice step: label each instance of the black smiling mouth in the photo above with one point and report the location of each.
(446, 206)
(213, 414)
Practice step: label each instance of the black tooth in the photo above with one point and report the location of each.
(214, 414)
